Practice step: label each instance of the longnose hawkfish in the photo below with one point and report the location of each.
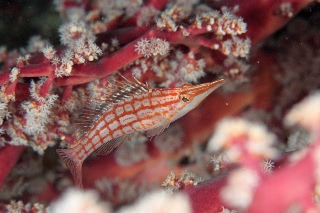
(132, 107)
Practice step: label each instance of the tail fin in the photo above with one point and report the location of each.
(73, 163)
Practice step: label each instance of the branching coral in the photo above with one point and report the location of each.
(229, 154)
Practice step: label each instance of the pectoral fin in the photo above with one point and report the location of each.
(107, 147)
(158, 129)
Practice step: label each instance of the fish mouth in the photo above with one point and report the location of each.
(193, 95)
(205, 89)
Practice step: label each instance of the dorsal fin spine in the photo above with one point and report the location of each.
(116, 92)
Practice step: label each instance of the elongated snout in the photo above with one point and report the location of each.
(202, 90)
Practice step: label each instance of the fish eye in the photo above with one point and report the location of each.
(184, 99)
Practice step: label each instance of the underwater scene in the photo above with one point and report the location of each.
(167, 106)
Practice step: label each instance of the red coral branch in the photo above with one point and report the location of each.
(9, 156)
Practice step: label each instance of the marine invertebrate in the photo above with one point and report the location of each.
(168, 44)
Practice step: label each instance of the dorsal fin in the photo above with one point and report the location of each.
(83, 120)
(122, 89)
(116, 91)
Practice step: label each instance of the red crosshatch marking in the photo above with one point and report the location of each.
(150, 110)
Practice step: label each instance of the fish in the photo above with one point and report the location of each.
(131, 107)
